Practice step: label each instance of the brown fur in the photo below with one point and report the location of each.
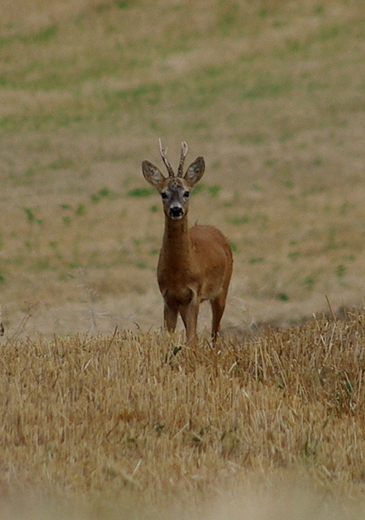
(194, 265)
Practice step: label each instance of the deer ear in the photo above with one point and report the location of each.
(195, 171)
(152, 174)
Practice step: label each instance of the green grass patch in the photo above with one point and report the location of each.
(214, 190)
(282, 296)
(31, 216)
(101, 194)
(141, 193)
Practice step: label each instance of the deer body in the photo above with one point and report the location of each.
(194, 264)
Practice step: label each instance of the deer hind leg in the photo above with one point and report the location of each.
(189, 315)
(218, 305)
(170, 316)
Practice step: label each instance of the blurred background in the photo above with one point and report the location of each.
(270, 92)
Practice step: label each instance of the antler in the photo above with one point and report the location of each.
(184, 152)
(163, 152)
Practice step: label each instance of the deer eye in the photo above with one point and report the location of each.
(186, 194)
(164, 195)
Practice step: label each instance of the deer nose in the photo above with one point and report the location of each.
(176, 211)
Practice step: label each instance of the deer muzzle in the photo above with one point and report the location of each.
(176, 212)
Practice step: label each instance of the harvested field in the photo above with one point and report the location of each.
(139, 417)
(103, 415)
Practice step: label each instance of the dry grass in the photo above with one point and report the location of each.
(100, 419)
(271, 93)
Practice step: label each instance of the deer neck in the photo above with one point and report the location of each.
(176, 242)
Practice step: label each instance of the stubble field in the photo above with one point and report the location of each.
(99, 406)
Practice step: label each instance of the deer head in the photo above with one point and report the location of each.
(174, 189)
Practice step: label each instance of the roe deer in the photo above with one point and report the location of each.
(194, 264)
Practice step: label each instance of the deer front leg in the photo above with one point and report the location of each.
(170, 316)
(189, 314)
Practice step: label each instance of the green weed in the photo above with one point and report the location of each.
(80, 210)
(141, 192)
(340, 271)
(256, 260)
(309, 282)
(234, 246)
(30, 213)
(214, 190)
(101, 194)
